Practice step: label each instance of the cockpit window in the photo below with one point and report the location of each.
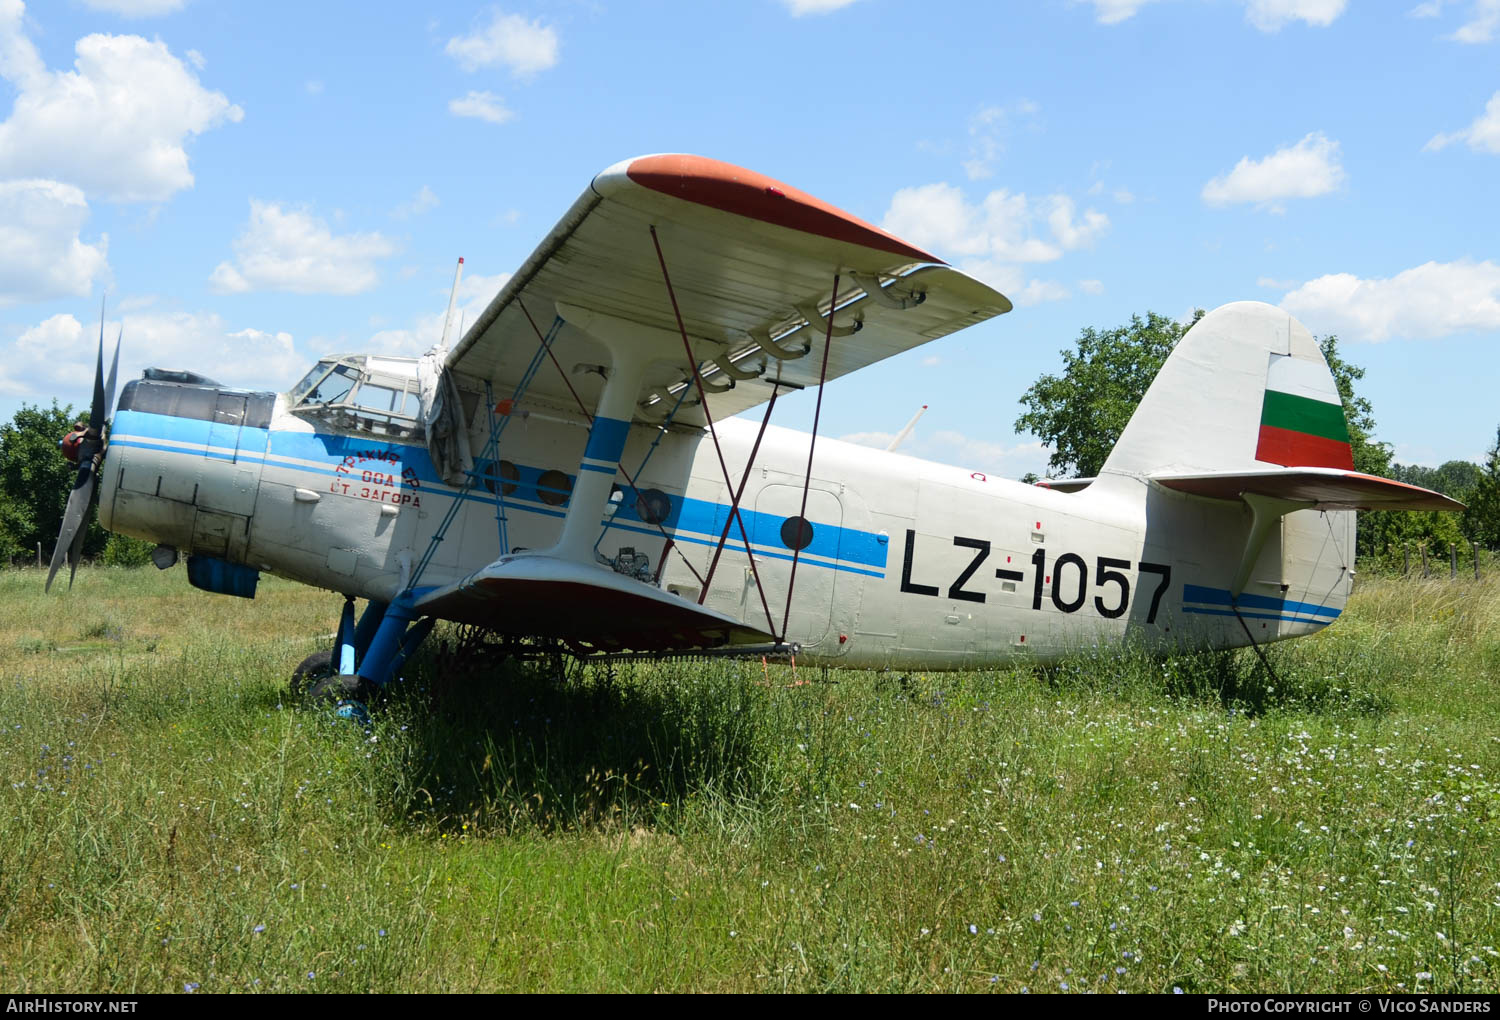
(310, 379)
(379, 398)
(365, 394)
(335, 387)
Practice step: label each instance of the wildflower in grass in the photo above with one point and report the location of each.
(973, 929)
(258, 928)
(190, 987)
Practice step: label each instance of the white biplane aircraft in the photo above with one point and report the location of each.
(571, 469)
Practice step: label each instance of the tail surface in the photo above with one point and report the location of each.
(1242, 455)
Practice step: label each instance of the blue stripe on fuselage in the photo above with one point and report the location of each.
(330, 452)
(1221, 597)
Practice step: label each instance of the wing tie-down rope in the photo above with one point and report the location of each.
(623, 469)
(734, 514)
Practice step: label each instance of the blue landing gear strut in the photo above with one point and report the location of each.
(369, 654)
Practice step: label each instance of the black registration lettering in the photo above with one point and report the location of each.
(1069, 560)
(1107, 571)
(957, 590)
(906, 581)
(1165, 571)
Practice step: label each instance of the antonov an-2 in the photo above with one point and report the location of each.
(573, 467)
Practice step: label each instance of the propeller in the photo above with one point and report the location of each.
(70, 538)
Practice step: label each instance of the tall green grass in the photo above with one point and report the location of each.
(169, 821)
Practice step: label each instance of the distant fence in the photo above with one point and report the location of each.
(1428, 566)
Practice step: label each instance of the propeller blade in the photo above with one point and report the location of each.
(70, 537)
(109, 384)
(96, 411)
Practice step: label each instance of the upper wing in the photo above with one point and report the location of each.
(752, 264)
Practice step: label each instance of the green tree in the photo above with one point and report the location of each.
(1081, 413)
(34, 484)
(1482, 522)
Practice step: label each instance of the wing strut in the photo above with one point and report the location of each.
(804, 530)
(713, 432)
(620, 464)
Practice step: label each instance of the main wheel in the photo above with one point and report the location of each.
(346, 695)
(317, 666)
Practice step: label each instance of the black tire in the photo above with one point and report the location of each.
(334, 689)
(317, 666)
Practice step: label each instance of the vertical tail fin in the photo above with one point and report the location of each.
(1246, 387)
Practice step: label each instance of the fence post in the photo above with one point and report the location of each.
(1422, 548)
(1475, 546)
(39, 556)
(1453, 563)
(1405, 558)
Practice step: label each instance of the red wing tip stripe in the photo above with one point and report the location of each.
(734, 189)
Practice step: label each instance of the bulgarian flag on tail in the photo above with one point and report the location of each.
(1302, 419)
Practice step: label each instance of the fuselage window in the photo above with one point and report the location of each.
(506, 472)
(796, 533)
(554, 488)
(652, 505)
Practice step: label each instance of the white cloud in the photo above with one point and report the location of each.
(197, 59)
(136, 8)
(56, 356)
(987, 129)
(1484, 18)
(1305, 170)
(1266, 15)
(475, 292)
(292, 250)
(1275, 284)
(314, 87)
(115, 126)
(1482, 136)
(994, 238)
(1091, 286)
(1112, 12)
(423, 201)
(1426, 9)
(41, 253)
(1428, 301)
(509, 40)
(948, 446)
(484, 106)
(1270, 15)
(801, 7)
(999, 227)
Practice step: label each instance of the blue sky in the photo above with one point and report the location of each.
(255, 184)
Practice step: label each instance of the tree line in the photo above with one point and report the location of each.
(1079, 413)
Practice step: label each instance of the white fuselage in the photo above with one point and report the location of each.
(910, 564)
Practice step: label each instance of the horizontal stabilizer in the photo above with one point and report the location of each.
(1319, 488)
(543, 596)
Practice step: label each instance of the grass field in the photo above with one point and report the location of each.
(170, 821)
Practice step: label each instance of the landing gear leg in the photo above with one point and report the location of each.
(369, 655)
